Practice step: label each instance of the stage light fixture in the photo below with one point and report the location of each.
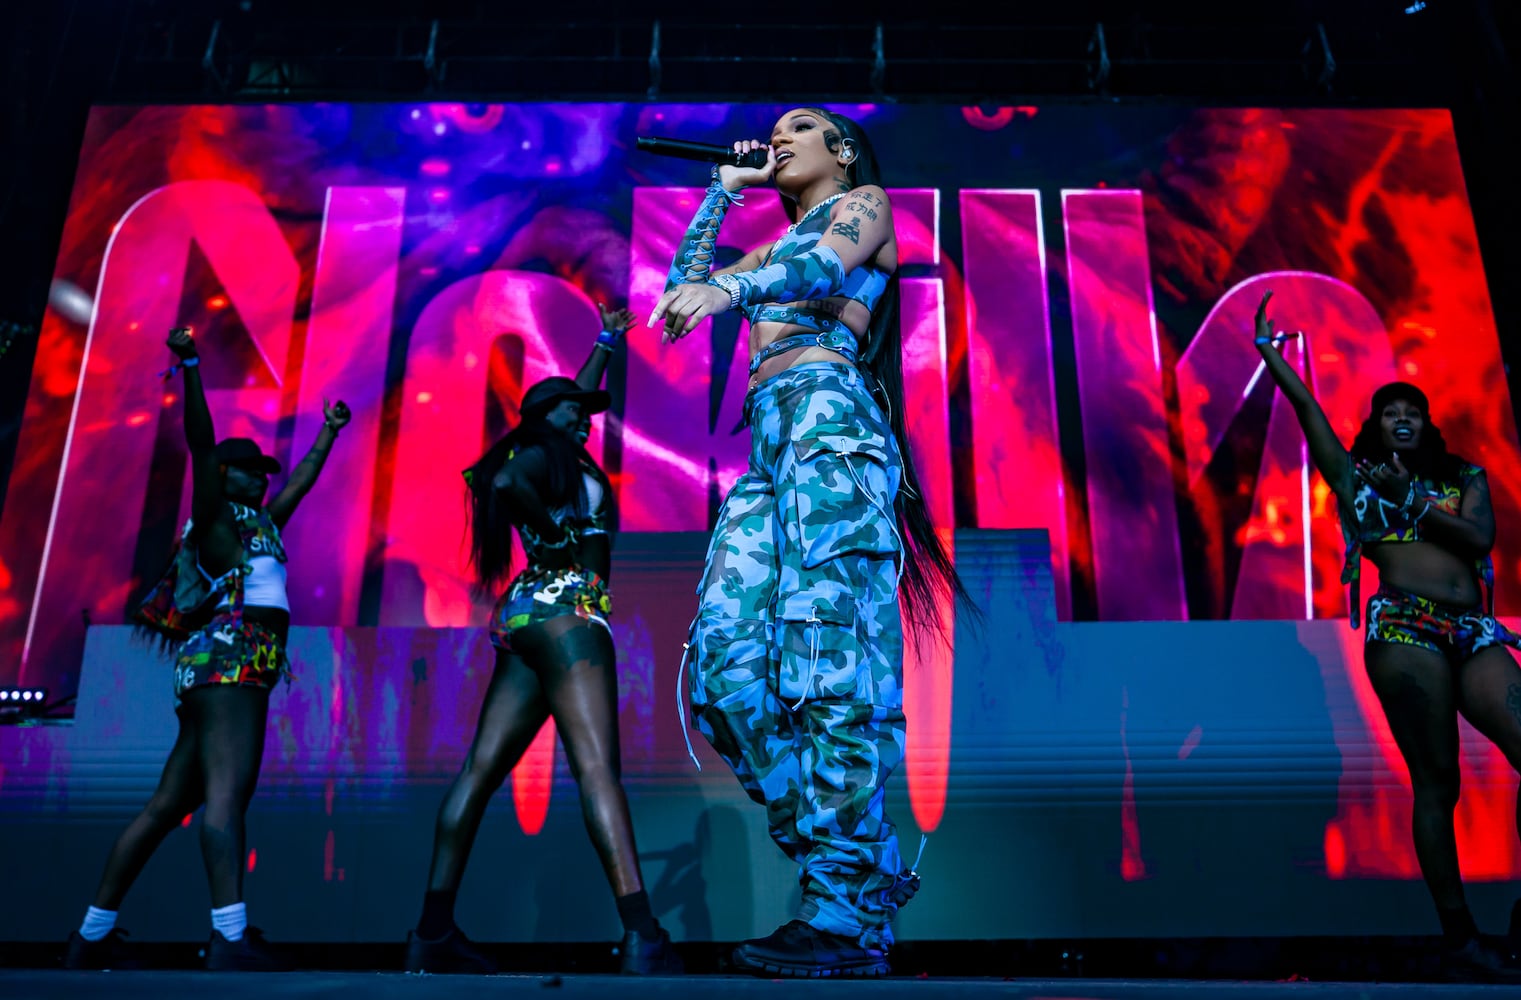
(23, 699)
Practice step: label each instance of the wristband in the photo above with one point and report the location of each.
(189, 362)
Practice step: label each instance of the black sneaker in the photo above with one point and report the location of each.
(451, 953)
(250, 953)
(110, 952)
(649, 956)
(799, 949)
(1476, 962)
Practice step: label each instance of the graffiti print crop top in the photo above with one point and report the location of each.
(1374, 520)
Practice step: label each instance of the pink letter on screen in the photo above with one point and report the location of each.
(101, 489)
(928, 669)
(1020, 478)
(1345, 338)
(347, 342)
(442, 432)
(1137, 565)
(426, 578)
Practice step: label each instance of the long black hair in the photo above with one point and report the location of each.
(1428, 460)
(490, 516)
(928, 575)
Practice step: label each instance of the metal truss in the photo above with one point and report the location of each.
(229, 53)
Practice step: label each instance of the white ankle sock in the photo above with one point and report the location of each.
(97, 923)
(231, 921)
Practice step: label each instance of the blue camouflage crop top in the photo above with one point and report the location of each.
(866, 284)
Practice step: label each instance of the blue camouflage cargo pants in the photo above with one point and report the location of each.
(798, 643)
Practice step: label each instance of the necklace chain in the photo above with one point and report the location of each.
(805, 215)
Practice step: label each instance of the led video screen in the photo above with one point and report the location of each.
(1078, 288)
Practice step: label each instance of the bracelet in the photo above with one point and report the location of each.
(189, 362)
(730, 284)
(565, 542)
(607, 340)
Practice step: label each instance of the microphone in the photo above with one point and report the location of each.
(702, 151)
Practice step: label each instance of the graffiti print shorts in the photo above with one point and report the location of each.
(1457, 633)
(537, 595)
(229, 650)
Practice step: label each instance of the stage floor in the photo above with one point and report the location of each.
(27, 984)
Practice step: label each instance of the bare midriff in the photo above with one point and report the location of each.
(1427, 570)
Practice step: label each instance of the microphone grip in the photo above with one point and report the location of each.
(755, 159)
(701, 151)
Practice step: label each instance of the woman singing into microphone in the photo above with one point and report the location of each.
(798, 645)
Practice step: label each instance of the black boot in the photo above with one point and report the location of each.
(110, 952)
(1475, 961)
(250, 953)
(649, 956)
(451, 953)
(799, 949)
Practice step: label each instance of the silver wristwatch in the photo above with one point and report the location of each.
(730, 284)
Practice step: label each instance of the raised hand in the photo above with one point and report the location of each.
(336, 416)
(1392, 481)
(1264, 325)
(735, 178)
(181, 343)
(617, 323)
(1265, 334)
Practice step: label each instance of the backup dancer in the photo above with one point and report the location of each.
(222, 608)
(555, 658)
(1433, 649)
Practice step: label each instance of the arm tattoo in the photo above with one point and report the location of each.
(861, 209)
(850, 230)
(1481, 498)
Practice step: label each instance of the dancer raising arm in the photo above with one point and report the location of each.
(223, 603)
(554, 657)
(1433, 649)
